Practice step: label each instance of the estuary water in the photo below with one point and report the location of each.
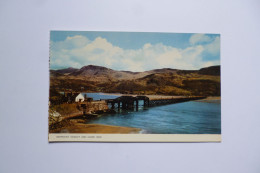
(193, 117)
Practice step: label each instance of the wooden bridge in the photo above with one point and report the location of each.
(131, 102)
(128, 102)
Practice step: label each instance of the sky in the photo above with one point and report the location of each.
(133, 51)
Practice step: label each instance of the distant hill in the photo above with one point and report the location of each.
(99, 71)
(205, 81)
(213, 70)
(67, 70)
(103, 73)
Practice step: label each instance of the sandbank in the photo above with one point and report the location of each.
(98, 128)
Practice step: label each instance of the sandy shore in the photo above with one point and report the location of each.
(210, 99)
(98, 128)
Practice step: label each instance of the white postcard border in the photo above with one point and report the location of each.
(79, 137)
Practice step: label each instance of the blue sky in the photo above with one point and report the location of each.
(134, 51)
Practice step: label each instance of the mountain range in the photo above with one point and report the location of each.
(91, 78)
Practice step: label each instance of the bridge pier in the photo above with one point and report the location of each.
(123, 105)
(113, 105)
(146, 102)
(118, 105)
(136, 105)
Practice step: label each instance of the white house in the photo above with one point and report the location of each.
(79, 98)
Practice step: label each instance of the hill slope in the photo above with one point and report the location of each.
(205, 81)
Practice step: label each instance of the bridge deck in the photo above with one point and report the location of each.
(155, 97)
(129, 101)
(158, 97)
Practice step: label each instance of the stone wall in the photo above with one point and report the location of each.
(95, 106)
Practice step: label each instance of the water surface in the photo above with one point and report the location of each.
(191, 117)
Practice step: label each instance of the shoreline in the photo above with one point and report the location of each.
(210, 99)
(79, 127)
(70, 125)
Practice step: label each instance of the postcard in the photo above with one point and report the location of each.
(134, 87)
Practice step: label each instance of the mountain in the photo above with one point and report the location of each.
(99, 72)
(67, 70)
(163, 70)
(205, 81)
(91, 70)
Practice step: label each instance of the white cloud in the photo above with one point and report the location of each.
(214, 47)
(76, 41)
(199, 38)
(79, 51)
